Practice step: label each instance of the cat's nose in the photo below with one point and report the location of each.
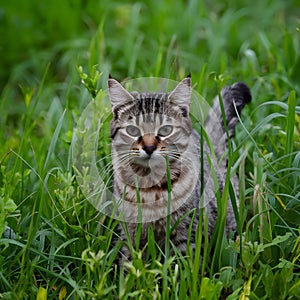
(149, 149)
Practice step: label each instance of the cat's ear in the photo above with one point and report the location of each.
(181, 95)
(117, 94)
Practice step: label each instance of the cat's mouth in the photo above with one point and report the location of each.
(147, 160)
(143, 160)
(154, 159)
(146, 163)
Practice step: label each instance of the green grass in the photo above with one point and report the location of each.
(63, 247)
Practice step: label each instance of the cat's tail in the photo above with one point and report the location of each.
(234, 98)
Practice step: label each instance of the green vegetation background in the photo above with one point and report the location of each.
(54, 243)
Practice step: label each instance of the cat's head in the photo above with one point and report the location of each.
(147, 127)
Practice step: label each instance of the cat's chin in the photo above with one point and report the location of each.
(144, 166)
(148, 171)
(140, 169)
(142, 162)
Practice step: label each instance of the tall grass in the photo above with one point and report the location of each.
(55, 244)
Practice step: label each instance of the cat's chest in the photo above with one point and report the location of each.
(154, 206)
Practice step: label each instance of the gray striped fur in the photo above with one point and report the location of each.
(149, 113)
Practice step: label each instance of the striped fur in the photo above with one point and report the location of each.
(147, 127)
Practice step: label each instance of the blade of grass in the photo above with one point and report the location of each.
(290, 125)
(197, 259)
(165, 294)
(168, 223)
(54, 139)
(140, 216)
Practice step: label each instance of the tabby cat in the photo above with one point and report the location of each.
(157, 165)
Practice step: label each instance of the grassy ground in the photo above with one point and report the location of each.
(56, 244)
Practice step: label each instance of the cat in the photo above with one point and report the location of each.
(156, 161)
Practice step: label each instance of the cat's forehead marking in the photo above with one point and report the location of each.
(151, 103)
(143, 104)
(149, 120)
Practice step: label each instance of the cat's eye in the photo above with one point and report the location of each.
(133, 131)
(165, 130)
